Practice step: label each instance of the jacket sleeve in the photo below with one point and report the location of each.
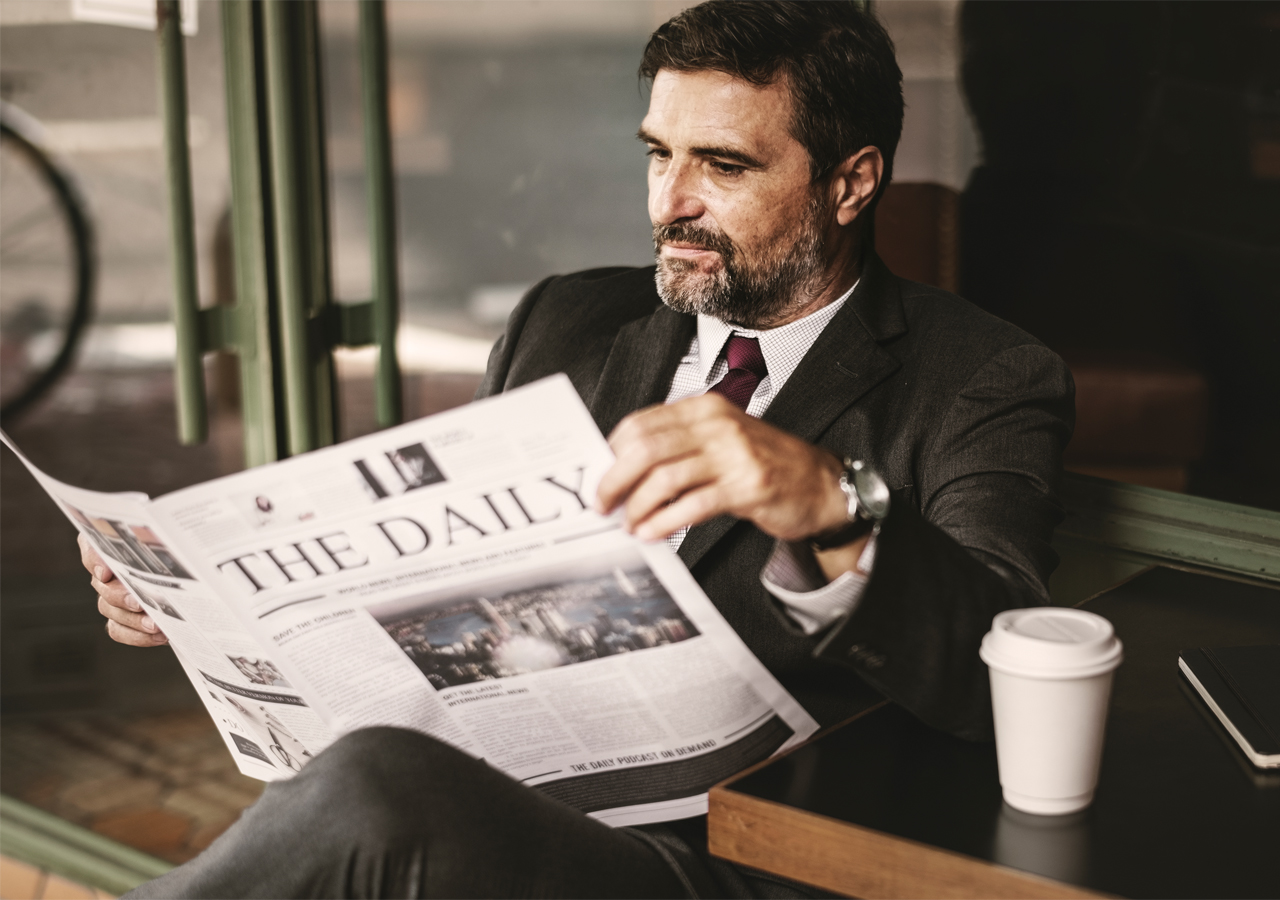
(976, 543)
(495, 375)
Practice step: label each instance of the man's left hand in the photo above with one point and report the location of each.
(687, 462)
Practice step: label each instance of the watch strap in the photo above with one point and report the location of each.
(845, 534)
(860, 520)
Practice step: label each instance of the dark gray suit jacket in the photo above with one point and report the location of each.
(964, 415)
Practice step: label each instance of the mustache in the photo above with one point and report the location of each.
(691, 233)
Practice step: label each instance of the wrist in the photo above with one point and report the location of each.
(835, 505)
(838, 561)
(864, 501)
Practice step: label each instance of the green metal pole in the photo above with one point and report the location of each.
(189, 362)
(251, 240)
(382, 207)
(298, 207)
(291, 268)
(310, 76)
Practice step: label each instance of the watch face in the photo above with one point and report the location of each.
(873, 493)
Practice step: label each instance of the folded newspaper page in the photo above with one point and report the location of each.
(450, 576)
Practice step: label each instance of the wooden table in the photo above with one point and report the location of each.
(884, 806)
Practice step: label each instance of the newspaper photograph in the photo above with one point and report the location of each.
(451, 576)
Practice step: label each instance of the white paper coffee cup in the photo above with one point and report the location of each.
(1051, 671)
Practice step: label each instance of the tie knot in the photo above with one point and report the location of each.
(746, 370)
(744, 353)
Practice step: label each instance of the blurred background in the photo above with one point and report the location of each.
(1106, 176)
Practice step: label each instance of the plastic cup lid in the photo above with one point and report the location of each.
(1051, 642)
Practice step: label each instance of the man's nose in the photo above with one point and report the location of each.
(673, 195)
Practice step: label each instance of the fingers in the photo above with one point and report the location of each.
(104, 581)
(692, 508)
(657, 436)
(661, 486)
(126, 622)
(91, 560)
(638, 447)
(682, 464)
(636, 466)
(116, 594)
(127, 627)
(133, 638)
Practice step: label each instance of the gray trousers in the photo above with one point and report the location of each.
(385, 812)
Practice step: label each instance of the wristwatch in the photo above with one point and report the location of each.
(867, 497)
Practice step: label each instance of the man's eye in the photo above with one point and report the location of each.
(658, 153)
(725, 168)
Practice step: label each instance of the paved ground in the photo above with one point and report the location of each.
(163, 783)
(19, 881)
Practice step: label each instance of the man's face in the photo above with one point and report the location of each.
(738, 227)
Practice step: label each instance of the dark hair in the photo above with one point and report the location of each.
(837, 60)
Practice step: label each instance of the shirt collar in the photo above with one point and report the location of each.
(783, 347)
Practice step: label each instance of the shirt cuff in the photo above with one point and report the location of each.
(793, 577)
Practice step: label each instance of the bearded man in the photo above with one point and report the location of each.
(858, 470)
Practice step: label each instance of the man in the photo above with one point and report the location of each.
(768, 347)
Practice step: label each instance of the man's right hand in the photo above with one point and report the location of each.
(126, 621)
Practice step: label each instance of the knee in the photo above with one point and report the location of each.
(381, 754)
(385, 782)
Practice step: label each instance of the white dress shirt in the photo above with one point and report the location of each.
(791, 574)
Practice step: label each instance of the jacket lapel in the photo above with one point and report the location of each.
(846, 360)
(844, 364)
(641, 365)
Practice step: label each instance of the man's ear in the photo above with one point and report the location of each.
(855, 181)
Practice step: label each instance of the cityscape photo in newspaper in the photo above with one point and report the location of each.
(450, 576)
(494, 629)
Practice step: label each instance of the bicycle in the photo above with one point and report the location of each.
(46, 235)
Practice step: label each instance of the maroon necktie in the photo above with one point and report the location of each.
(746, 368)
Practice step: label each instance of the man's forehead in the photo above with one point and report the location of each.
(705, 105)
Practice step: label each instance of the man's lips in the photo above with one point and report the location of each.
(685, 250)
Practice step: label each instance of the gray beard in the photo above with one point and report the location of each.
(751, 292)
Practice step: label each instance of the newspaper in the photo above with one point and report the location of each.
(450, 576)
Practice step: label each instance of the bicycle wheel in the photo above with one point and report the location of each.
(47, 266)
